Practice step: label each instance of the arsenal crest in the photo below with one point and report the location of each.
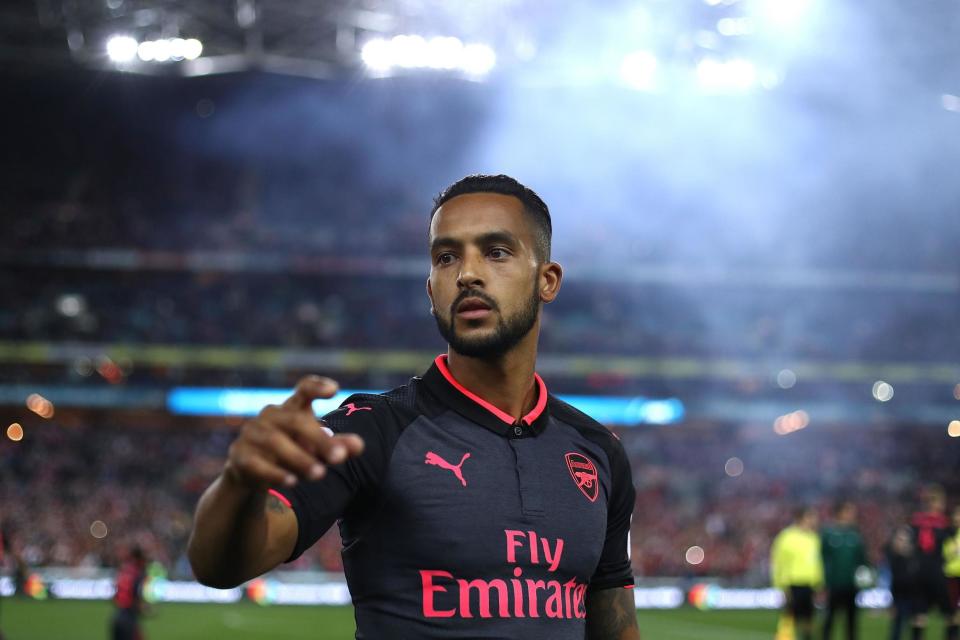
(584, 474)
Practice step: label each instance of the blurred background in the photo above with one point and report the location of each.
(756, 203)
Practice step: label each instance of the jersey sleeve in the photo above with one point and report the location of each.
(318, 504)
(614, 570)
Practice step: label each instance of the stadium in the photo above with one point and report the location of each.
(755, 204)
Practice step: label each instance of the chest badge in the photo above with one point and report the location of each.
(584, 474)
(457, 469)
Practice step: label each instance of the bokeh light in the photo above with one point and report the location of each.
(786, 379)
(15, 432)
(98, 529)
(121, 48)
(882, 391)
(791, 422)
(695, 555)
(40, 405)
(733, 467)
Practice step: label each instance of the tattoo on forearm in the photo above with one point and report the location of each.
(274, 504)
(611, 615)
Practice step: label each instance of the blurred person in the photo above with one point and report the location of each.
(470, 501)
(3, 548)
(796, 568)
(951, 564)
(128, 600)
(904, 567)
(843, 553)
(931, 529)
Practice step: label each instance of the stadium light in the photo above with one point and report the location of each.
(734, 26)
(784, 12)
(416, 52)
(169, 49)
(953, 429)
(121, 49)
(638, 70)
(717, 75)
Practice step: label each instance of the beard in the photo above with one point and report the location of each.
(507, 334)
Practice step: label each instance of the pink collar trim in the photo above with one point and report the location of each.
(441, 362)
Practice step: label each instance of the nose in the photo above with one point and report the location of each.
(470, 275)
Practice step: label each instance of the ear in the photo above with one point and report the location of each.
(433, 310)
(551, 275)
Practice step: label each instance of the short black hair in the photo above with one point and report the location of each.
(800, 511)
(535, 208)
(842, 503)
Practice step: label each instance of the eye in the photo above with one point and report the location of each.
(498, 253)
(444, 258)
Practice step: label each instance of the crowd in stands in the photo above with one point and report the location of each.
(383, 312)
(142, 482)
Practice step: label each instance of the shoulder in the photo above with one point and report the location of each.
(394, 408)
(593, 431)
(587, 426)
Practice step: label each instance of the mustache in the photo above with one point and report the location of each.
(473, 293)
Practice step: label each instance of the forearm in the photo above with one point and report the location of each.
(234, 537)
(611, 615)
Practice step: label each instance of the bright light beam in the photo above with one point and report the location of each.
(122, 48)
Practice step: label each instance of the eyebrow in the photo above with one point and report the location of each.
(488, 238)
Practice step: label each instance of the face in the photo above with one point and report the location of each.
(810, 519)
(936, 502)
(485, 284)
(848, 514)
(902, 543)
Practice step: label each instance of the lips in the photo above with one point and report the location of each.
(473, 308)
(473, 304)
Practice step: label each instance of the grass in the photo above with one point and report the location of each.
(73, 620)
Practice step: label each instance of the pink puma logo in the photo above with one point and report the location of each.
(352, 407)
(436, 460)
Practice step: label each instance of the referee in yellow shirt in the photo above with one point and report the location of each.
(796, 567)
(951, 569)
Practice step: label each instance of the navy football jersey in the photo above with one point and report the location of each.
(460, 522)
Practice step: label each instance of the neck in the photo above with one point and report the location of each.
(507, 382)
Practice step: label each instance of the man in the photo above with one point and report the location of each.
(2, 560)
(128, 599)
(842, 550)
(904, 570)
(471, 502)
(931, 529)
(951, 564)
(797, 569)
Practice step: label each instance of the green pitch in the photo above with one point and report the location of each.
(69, 620)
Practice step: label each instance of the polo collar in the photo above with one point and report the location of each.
(442, 383)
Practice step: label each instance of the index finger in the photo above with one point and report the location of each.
(309, 389)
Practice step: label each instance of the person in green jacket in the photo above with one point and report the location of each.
(842, 549)
(797, 568)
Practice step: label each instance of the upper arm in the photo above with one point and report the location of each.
(311, 507)
(281, 532)
(611, 615)
(613, 568)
